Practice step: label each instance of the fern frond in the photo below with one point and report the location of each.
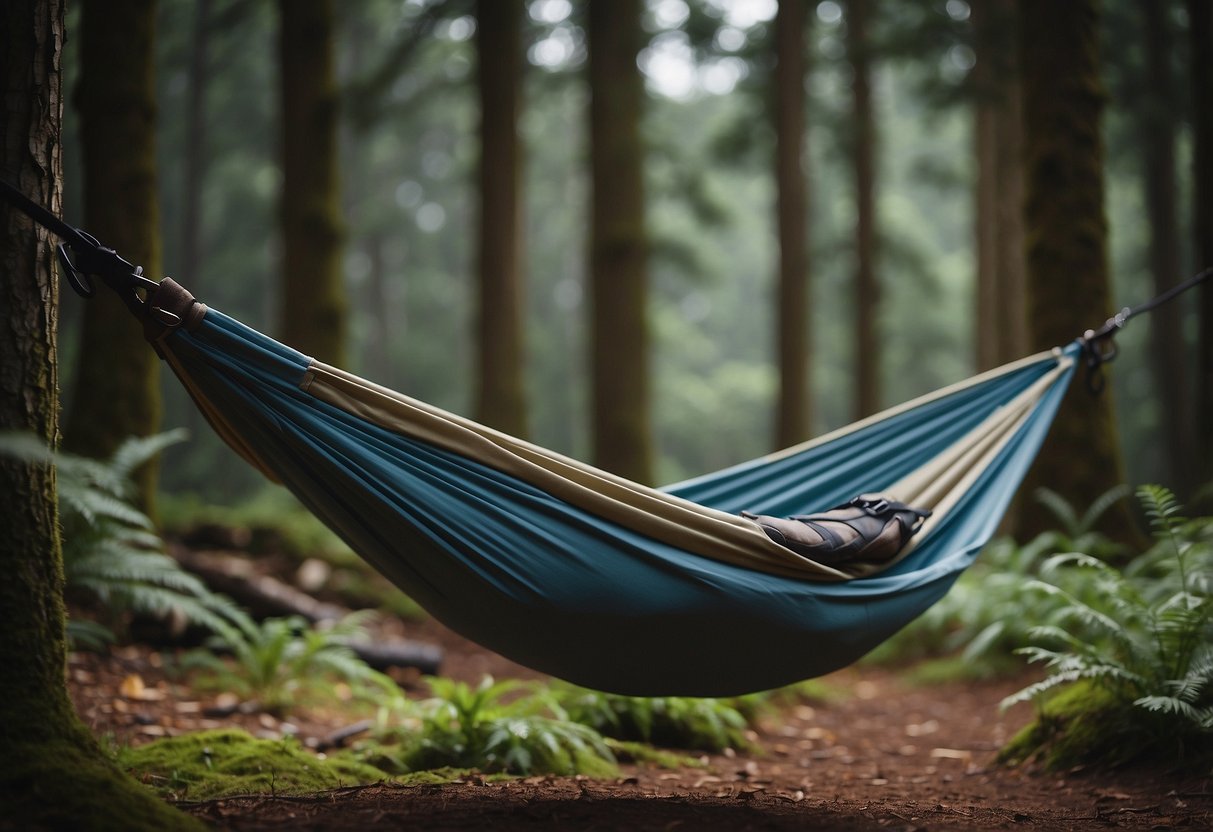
(137, 450)
(1060, 508)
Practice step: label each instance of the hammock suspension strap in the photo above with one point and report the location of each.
(1098, 345)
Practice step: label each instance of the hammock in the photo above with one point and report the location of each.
(584, 575)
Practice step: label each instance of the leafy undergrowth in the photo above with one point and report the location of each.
(1130, 656)
(227, 761)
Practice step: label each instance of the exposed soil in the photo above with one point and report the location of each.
(889, 756)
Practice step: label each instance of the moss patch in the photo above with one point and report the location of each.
(1085, 724)
(639, 752)
(69, 784)
(211, 764)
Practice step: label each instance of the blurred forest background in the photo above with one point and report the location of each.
(925, 90)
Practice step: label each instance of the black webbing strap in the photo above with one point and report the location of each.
(1097, 345)
(88, 257)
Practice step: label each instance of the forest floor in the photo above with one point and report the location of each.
(885, 754)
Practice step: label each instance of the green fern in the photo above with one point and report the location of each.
(670, 721)
(509, 727)
(112, 556)
(280, 662)
(1144, 633)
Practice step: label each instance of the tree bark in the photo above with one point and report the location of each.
(500, 394)
(116, 390)
(794, 416)
(1167, 354)
(1001, 331)
(1067, 242)
(1200, 21)
(313, 301)
(984, 79)
(618, 245)
(195, 149)
(53, 775)
(867, 289)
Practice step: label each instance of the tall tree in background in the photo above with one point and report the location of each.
(863, 149)
(618, 245)
(1001, 331)
(1156, 120)
(1066, 231)
(195, 148)
(500, 394)
(53, 775)
(116, 391)
(1200, 22)
(313, 318)
(793, 419)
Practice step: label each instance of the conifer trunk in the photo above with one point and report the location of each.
(1067, 242)
(53, 775)
(1001, 330)
(195, 150)
(1200, 22)
(313, 302)
(793, 419)
(1168, 356)
(867, 289)
(500, 396)
(116, 390)
(619, 334)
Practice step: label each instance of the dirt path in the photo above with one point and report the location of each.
(889, 756)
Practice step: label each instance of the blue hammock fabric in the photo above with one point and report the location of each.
(568, 591)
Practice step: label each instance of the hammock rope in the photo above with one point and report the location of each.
(580, 573)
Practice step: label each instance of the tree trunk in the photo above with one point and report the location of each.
(500, 395)
(1001, 333)
(1067, 241)
(867, 290)
(313, 303)
(116, 389)
(1200, 21)
(984, 78)
(1012, 276)
(618, 244)
(794, 416)
(195, 150)
(1156, 115)
(53, 775)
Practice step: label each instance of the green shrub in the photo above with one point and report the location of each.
(1142, 636)
(112, 556)
(509, 727)
(282, 661)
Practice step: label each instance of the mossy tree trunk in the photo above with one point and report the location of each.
(500, 395)
(1001, 328)
(313, 302)
(619, 333)
(1066, 234)
(53, 774)
(1156, 115)
(1200, 21)
(863, 154)
(793, 420)
(116, 391)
